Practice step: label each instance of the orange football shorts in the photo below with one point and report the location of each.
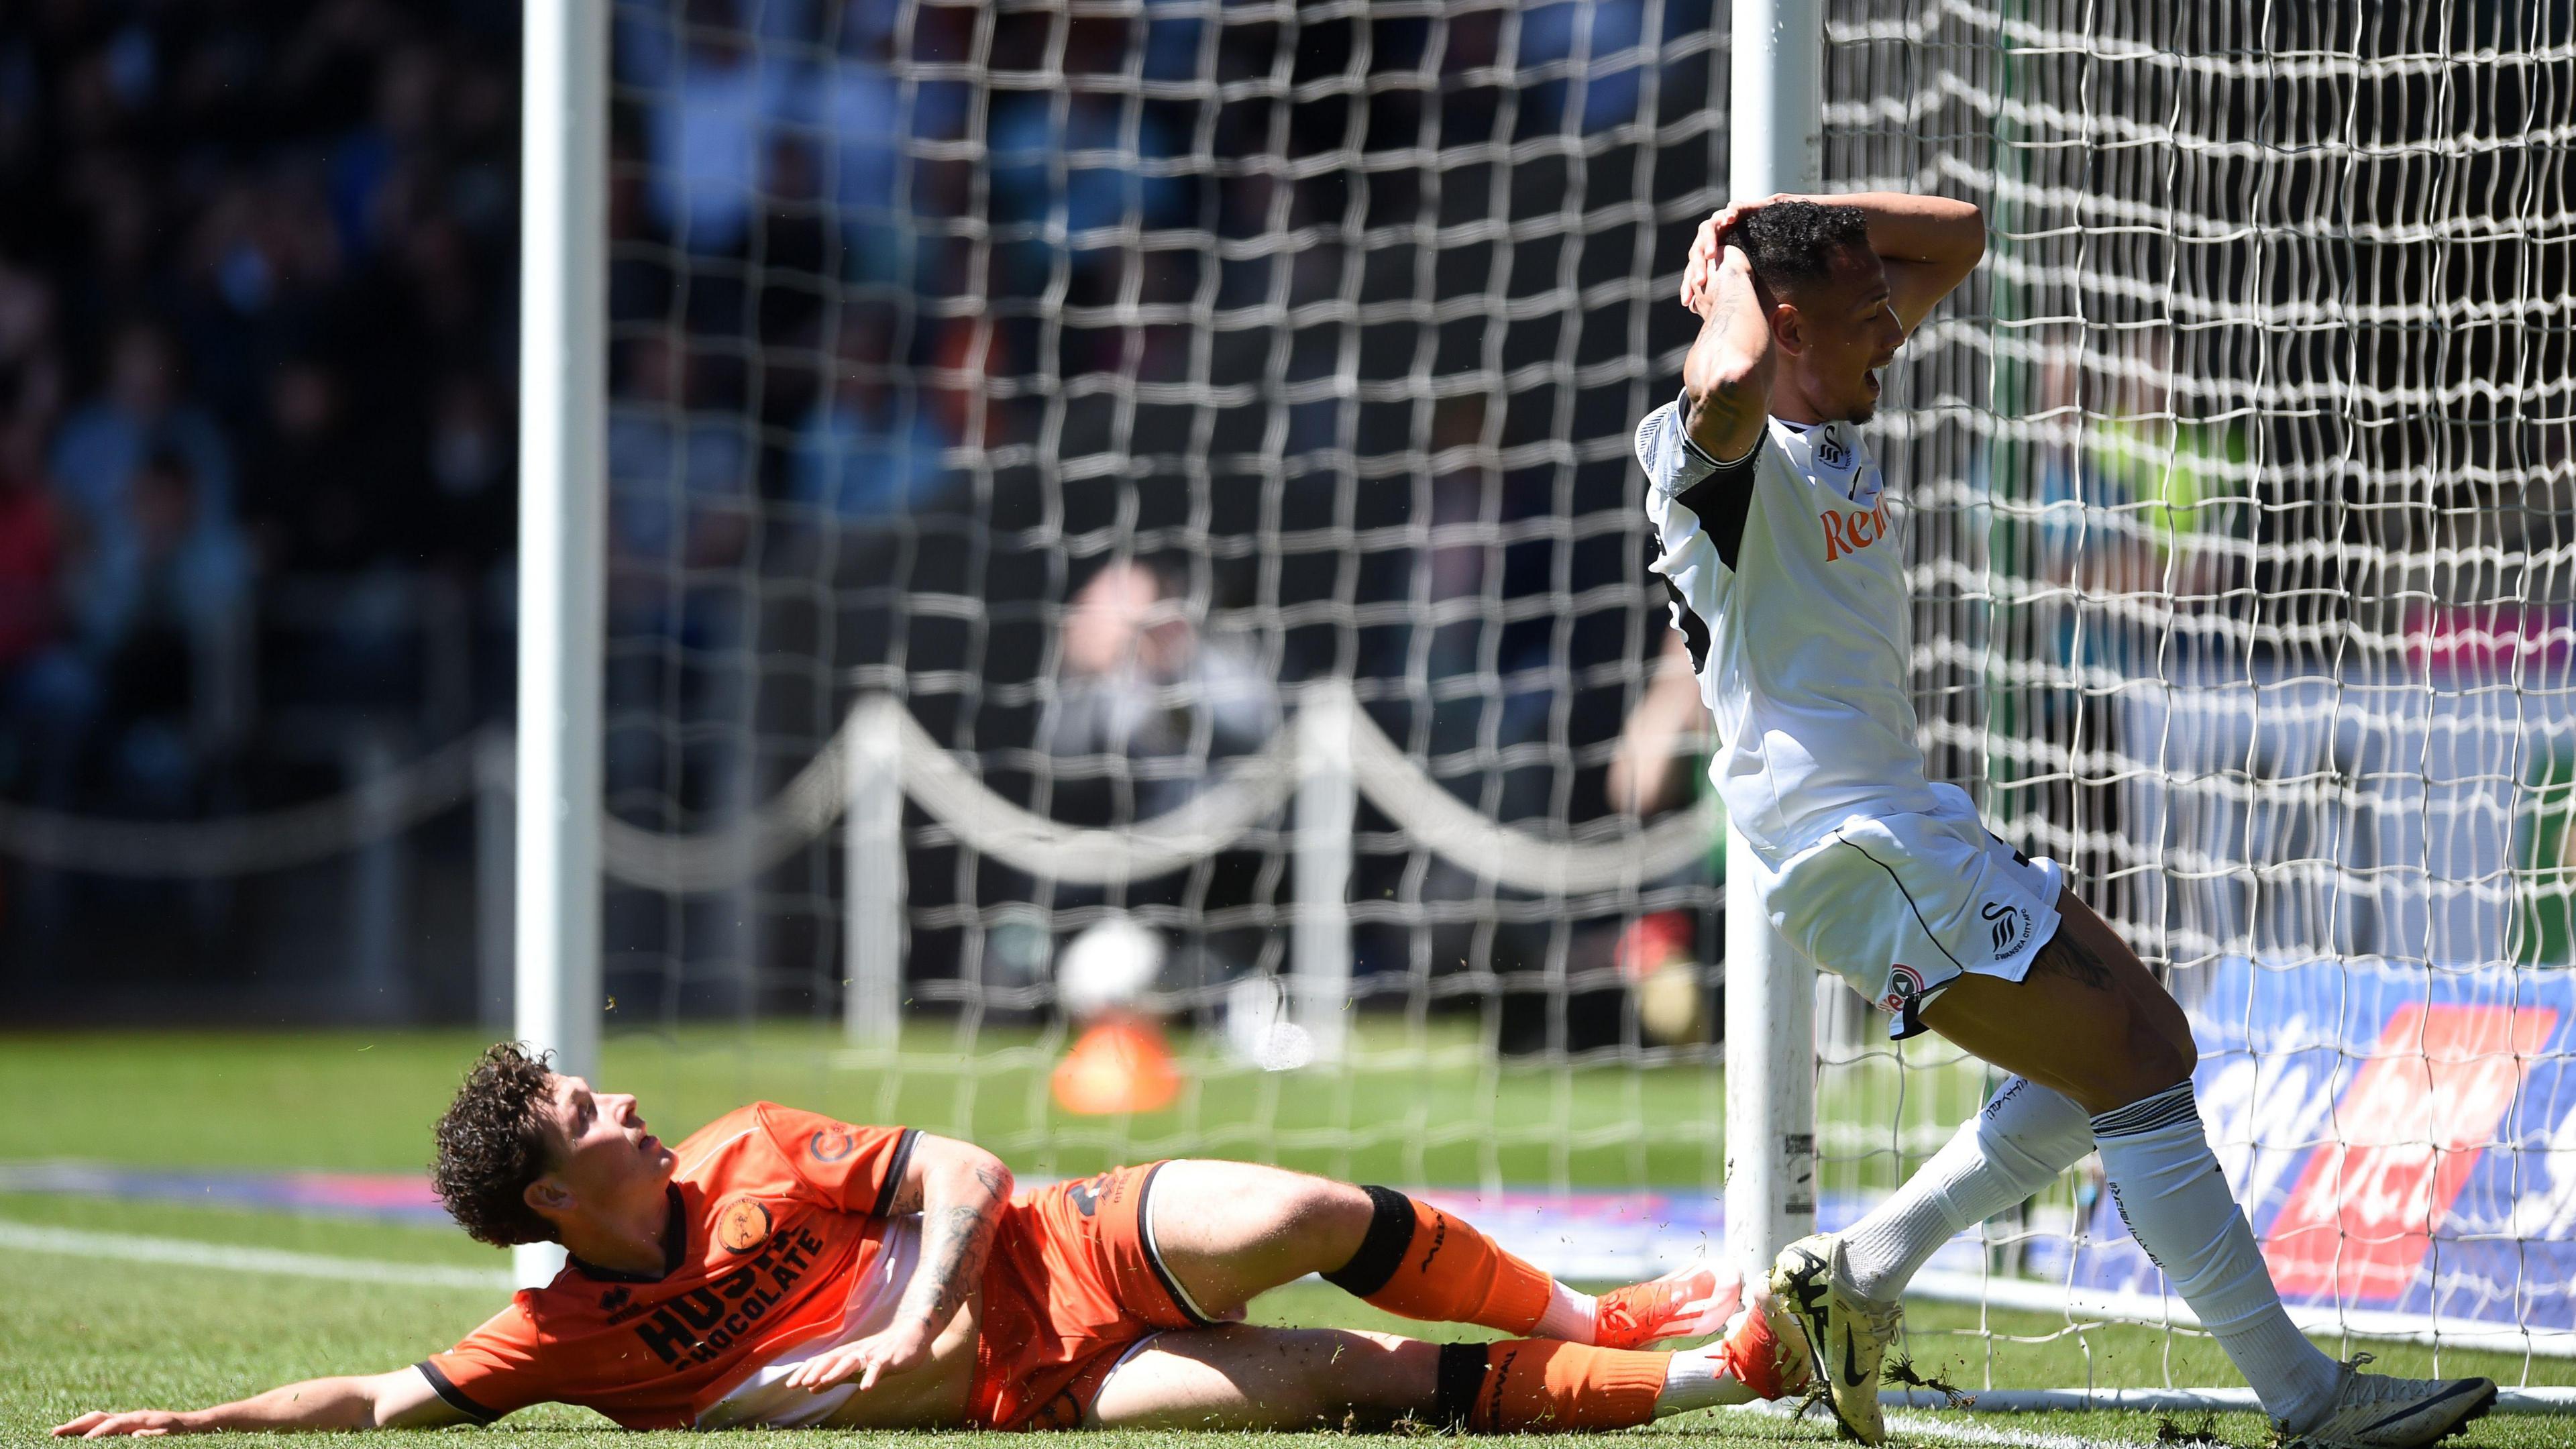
(1073, 1282)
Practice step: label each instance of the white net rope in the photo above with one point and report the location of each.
(389, 804)
(2241, 518)
(1248, 792)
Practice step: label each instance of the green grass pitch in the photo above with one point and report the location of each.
(79, 1332)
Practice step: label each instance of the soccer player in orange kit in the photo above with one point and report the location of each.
(783, 1269)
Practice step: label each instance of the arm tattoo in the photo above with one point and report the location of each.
(1728, 303)
(1724, 403)
(2071, 958)
(955, 1244)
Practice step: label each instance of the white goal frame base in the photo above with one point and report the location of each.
(2126, 1401)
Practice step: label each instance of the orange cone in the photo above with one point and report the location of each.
(1121, 1064)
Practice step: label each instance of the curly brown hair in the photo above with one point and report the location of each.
(493, 1142)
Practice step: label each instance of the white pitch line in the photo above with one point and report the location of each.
(190, 1253)
(1954, 1430)
(1938, 1428)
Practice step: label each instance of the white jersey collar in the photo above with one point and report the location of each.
(1832, 455)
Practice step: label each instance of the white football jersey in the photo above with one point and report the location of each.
(1788, 582)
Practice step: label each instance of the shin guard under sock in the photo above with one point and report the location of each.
(2166, 1183)
(1418, 1262)
(1525, 1384)
(2016, 1145)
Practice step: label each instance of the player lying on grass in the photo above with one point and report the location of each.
(783, 1269)
(1786, 569)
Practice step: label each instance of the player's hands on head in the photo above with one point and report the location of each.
(141, 1423)
(897, 1349)
(1708, 252)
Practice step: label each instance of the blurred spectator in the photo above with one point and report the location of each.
(1142, 679)
(2138, 500)
(317, 502)
(167, 560)
(471, 466)
(680, 488)
(719, 97)
(156, 614)
(680, 516)
(30, 551)
(870, 449)
(1143, 682)
(1589, 55)
(104, 444)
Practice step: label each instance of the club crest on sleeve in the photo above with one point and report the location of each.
(832, 1144)
(1904, 983)
(743, 1225)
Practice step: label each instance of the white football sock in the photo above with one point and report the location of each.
(1570, 1316)
(1699, 1378)
(2167, 1185)
(2017, 1144)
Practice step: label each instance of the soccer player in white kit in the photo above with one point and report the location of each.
(1783, 557)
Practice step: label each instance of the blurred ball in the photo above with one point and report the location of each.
(1654, 953)
(1110, 966)
(1670, 1005)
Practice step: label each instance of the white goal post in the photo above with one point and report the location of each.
(1775, 145)
(563, 358)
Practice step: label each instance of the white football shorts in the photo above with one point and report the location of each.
(1902, 905)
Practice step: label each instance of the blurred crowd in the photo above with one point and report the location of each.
(255, 343)
(949, 348)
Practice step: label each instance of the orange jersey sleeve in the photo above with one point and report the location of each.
(855, 1169)
(494, 1370)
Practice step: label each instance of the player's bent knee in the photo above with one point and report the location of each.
(1334, 1215)
(2130, 1058)
(1321, 1218)
(2152, 1062)
(2164, 1056)
(1206, 1206)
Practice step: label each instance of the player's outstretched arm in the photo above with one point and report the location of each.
(1641, 773)
(1726, 378)
(960, 1190)
(402, 1399)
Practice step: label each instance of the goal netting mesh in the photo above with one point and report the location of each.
(2241, 530)
(1208, 425)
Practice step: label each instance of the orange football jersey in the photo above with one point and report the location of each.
(775, 1216)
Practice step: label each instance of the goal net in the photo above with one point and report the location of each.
(2241, 524)
(1127, 511)
(1123, 538)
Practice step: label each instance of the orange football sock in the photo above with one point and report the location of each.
(1420, 1262)
(1526, 1384)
